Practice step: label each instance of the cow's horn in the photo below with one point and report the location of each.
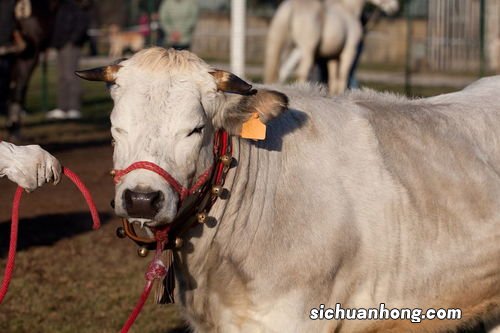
(228, 82)
(106, 73)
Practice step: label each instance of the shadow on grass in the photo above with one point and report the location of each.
(55, 147)
(46, 230)
(182, 329)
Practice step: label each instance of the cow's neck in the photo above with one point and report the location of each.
(240, 221)
(231, 217)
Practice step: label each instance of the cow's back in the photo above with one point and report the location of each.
(406, 190)
(360, 199)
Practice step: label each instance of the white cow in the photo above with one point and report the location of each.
(362, 199)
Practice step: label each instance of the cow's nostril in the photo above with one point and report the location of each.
(157, 200)
(142, 204)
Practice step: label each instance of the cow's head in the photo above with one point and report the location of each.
(167, 106)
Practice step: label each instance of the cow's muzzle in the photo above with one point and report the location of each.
(142, 204)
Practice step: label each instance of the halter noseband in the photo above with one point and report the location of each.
(194, 202)
(182, 191)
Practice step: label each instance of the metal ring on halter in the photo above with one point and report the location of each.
(130, 232)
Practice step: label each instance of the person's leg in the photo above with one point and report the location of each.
(6, 38)
(5, 67)
(74, 84)
(62, 87)
(62, 83)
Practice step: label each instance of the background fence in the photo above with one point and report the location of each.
(461, 35)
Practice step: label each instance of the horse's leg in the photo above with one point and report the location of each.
(348, 55)
(333, 79)
(306, 33)
(289, 65)
(276, 38)
(346, 61)
(305, 66)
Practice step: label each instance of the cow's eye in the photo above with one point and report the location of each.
(197, 130)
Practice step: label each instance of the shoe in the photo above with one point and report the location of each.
(56, 114)
(73, 114)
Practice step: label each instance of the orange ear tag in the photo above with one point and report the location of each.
(253, 128)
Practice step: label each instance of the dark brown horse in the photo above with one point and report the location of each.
(36, 31)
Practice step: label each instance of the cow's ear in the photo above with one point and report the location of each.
(246, 109)
(230, 83)
(247, 115)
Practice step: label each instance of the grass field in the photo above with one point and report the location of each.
(68, 278)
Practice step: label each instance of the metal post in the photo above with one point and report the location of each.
(238, 14)
(482, 38)
(409, 40)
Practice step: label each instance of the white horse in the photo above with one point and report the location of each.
(330, 28)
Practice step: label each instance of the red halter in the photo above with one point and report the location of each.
(182, 191)
(220, 143)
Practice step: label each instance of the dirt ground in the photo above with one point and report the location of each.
(67, 277)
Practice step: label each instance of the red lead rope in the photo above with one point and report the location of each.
(9, 267)
(156, 270)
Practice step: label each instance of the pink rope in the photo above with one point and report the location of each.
(156, 270)
(9, 267)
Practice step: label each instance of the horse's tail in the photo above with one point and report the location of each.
(276, 38)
